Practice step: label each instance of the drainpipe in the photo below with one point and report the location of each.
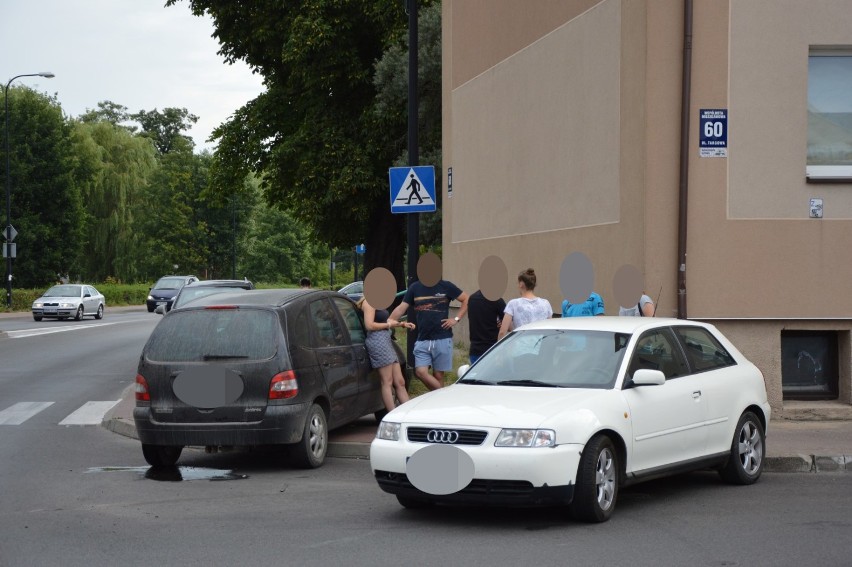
(684, 158)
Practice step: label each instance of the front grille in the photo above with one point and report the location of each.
(466, 436)
(51, 305)
(477, 486)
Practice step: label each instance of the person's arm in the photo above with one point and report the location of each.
(505, 326)
(649, 308)
(599, 306)
(462, 298)
(370, 319)
(400, 310)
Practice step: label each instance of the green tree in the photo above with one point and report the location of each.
(312, 136)
(45, 190)
(165, 129)
(119, 166)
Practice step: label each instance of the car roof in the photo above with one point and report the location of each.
(260, 297)
(219, 283)
(609, 323)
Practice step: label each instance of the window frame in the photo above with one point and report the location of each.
(687, 353)
(826, 172)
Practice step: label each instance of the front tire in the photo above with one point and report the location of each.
(597, 481)
(748, 450)
(161, 455)
(310, 452)
(79, 315)
(37, 317)
(100, 313)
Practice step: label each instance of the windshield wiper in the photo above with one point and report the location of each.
(476, 381)
(528, 383)
(222, 356)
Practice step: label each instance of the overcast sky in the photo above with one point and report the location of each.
(133, 52)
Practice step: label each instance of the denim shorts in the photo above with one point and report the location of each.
(437, 354)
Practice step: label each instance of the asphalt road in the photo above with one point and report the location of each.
(80, 495)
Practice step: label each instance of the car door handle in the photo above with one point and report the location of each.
(696, 394)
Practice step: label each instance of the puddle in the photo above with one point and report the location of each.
(174, 474)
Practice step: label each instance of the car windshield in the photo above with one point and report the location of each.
(206, 334)
(190, 293)
(552, 358)
(63, 291)
(169, 283)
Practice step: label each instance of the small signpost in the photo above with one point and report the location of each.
(412, 189)
(713, 133)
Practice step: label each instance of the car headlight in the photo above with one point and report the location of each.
(388, 431)
(66, 305)
(38, 304)
(526, 438)
(150, 298)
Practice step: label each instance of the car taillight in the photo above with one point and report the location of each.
(283, 386)
(221, 307)
(141, 389)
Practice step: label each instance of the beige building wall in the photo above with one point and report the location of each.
(562, 126)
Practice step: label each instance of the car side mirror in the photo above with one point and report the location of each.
(87, 295)
(160, 310)
(462, 370)
(647, 377)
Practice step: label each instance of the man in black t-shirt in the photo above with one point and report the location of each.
(485, 317)
(434, 345)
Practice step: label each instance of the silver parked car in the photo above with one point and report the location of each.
(69, 300)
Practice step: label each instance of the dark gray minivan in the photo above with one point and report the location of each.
(259, 367)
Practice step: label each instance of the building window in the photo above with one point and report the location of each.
(809, 365)
(829, 115)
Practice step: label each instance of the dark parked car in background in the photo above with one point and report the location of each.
(165, 290)
(203, 288)
(69, 300)
(258, 367)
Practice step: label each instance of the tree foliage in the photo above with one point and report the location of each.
(313, 137)
(46, 202)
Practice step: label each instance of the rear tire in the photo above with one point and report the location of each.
(310, 452)
(161, 455)
(597, 481)
(748, 450)
(100, 313)
(380, 414)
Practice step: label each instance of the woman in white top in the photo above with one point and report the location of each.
(526, 308)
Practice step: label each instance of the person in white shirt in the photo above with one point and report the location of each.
(526, 308)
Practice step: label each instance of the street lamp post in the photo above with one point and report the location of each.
(7, 232)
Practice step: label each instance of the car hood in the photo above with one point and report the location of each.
(58, 299)
(163, 293)
(495, 406)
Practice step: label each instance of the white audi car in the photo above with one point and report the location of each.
(567, 411)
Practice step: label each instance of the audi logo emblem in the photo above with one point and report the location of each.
(442, 436)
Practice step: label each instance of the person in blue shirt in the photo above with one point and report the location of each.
(589, 308)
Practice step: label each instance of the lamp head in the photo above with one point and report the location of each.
(46, 74)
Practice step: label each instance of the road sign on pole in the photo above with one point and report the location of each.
(412, 189)
(10, 233)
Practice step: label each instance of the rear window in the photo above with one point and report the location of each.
(214, 334)
(169, 283)
(188, 294)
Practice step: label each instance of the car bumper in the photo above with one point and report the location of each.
(153, 303)
(502, 475)
(55, 311)
(280, 425)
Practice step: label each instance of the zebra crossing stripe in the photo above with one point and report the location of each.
(90, 413)
(22, 411)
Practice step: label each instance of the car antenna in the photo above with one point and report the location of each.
(657, 303)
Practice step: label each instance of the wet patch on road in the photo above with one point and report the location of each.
(174, 474)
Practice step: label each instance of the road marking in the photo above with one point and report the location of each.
(36, 332)
(22, 411)
(90, 413)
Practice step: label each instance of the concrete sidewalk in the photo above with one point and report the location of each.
(791, 446)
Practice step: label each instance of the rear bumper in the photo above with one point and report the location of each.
(280, 425)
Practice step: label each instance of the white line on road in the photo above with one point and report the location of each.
(90, 413)
(22, 411)
(36, 332)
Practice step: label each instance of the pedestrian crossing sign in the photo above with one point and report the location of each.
(412, 189)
